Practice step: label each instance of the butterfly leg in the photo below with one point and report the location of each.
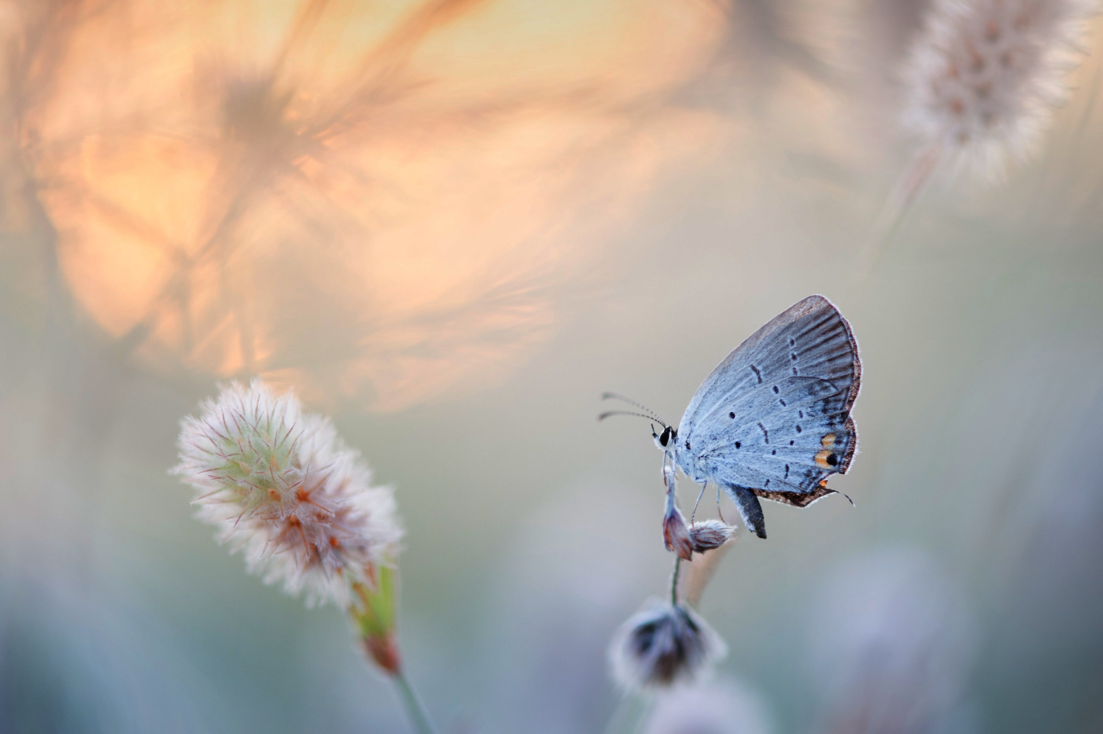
(699, 496)
(721, 514)
(749, 508)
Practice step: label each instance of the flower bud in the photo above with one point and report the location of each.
(373, 612)
(676, 533)
(709, 534)
(663, 645)
(383, 651)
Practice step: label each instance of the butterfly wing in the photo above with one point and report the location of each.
(774, 416)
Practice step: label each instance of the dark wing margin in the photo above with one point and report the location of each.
(797, 499)
(849, 455)
(855, 378)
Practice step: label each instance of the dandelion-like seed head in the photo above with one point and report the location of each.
(282, 487)
(663, 645)
(984, 76)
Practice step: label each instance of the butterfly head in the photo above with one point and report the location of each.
(665, 440)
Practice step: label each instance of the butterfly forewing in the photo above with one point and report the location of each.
(774, 416)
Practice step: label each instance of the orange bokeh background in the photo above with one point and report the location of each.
(359, 199)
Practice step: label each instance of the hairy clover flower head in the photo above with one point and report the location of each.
(284, 489)
(984, 76)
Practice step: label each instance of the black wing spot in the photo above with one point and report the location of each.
(792, 342)
(832, 460)
(738, 444)
(756, 373)
(776, 391)
(782, 402)
(687, 442)
(795, 371)
(773, 453)
(764, 432)
(786, 471)
(799, 429)
(790, 443)
(793, 356)
(767, 484)
(800, 413)
(731, 415)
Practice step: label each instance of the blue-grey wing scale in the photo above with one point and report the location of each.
(773, 419)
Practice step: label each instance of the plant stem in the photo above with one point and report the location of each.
(419, 719)
(674, 581)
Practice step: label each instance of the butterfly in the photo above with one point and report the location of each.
(772, 421)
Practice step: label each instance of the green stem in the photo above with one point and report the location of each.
(674, 581)
(419, 719)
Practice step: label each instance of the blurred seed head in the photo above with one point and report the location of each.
(281, 486)
(718, 707)
(709, 534)
(663, 645)
(984, 76)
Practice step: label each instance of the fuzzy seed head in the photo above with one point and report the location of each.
(709, 534)
(716, 707)
(663, 645)
(984, 76)
(282, 487)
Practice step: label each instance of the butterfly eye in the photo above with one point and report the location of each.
(665, 438)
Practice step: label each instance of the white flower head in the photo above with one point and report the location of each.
(281, 486)
(663, 645)
(717, 707)
(984, 76)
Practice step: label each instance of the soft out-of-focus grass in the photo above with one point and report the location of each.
(533, 531)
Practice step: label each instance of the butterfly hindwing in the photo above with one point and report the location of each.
(768, 442)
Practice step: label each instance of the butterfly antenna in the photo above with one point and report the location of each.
(605, 415)
(630, 401)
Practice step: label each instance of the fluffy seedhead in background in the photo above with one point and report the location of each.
(984, 77)
(709, 535)
(663, 645)
(281, 486)
(718, 707)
